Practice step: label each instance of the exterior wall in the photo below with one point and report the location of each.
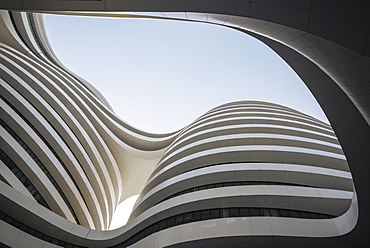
(71, 125)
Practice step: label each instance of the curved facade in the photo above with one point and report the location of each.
(244, 173)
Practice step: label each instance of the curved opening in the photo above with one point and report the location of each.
(160, 75)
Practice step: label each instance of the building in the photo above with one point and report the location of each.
(51, 116)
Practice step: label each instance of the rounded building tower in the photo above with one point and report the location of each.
(242, 169)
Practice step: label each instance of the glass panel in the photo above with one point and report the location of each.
(274, 212)
(305, 215)
(264, 212)
(225, 213)
(187, 217)
(196, 216)
(254, 212)
(163, 224)
(215, 213)
(179, 219)
(244, 212)
(171, 222)
(284, 213)
(234, 212)
(294, 214)
(206, 214)
(136, 238)
(148, 230)
(323, 216)
(314, 216)
(155, 227)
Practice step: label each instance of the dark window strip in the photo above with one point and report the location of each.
(31, 231)
(49, 146)
(23, 179)
(229, 184)
(179, 219)
(218, 213)
(42, 167)
(52, 126)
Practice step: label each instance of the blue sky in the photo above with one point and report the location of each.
(161, 75)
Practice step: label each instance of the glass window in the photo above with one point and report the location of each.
(23, 227)
(206, 214)
(61, 243)
(23, 179)
(284, 213)
(31, 231)
(179, 219)
(8, 219)
(155, 227)
(264, 212)
(142, 234)
(225, 213)
(196, 216)
(148, 230)
(274, 212)
(323, 216)
(163, 224)
(234, 212)
(215, 213)
(244, 212)
(314, 216)
(305, 215)
(38, 235)
(136, 238)
(16, 224)
(294, 214)
(130, 241)
(254, 212)
(47, 238)
(171, 222)
(54, 241)
(18, 174)
(187, 217)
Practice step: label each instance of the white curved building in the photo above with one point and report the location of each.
(244, 174)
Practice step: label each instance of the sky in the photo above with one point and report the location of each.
(161, 75)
